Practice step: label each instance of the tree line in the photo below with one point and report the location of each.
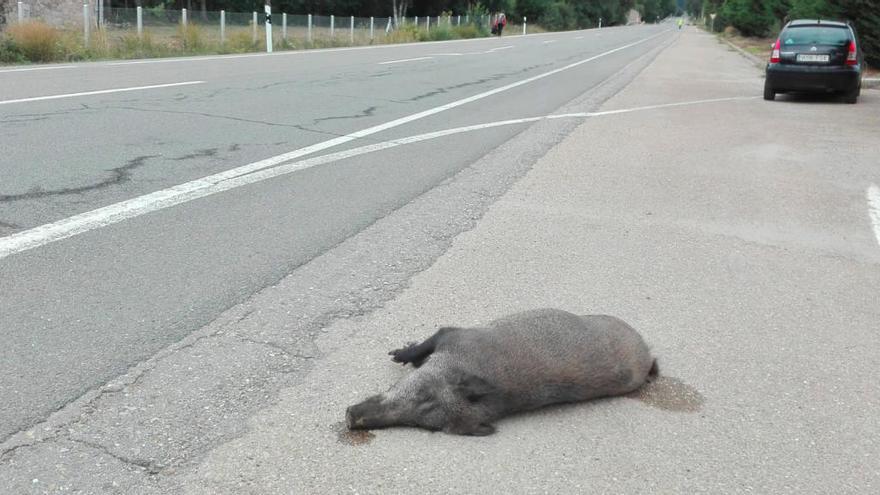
(766, 17)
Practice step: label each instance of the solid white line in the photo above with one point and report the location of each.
(189, 191)
(404, 60)
(28, 69)
(101, 92)
(874, 209)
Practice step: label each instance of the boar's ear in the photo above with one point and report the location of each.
(471, 387)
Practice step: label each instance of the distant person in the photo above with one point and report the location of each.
(498, 23)
(680, 23)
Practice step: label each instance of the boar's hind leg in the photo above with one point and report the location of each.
(418, 353)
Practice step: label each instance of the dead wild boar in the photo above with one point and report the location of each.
(466, 378)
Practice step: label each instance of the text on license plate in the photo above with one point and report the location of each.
(808, 57)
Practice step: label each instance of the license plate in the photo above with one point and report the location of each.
(809, 57)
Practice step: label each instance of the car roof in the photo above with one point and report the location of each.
(816, 22)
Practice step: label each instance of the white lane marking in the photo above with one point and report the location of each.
(578, 37)
(28, 69)
(650, 107)
(549, 41)
(100, 92)
(874, 209)
(404, 60)
(498, 49)
(189, 191)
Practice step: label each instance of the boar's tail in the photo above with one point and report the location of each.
(654, 372)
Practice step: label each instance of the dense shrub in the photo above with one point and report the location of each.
(38, 42)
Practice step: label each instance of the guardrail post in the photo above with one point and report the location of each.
(254, 28)
(267, 8)
(86, 25)
(222, 27)
(140, 21)
(371, 28)
(309, 31)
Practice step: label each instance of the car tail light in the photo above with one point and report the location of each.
(774, 56)
(851, 57)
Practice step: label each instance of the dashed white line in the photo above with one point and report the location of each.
(29, 69)
(100, 92)
(404, 60)
(578, 37)
(189, 191)
(498, 49)
(873, 195)
(549, 41)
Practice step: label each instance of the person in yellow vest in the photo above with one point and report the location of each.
(680, 22)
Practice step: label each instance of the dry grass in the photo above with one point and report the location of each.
(37, 41)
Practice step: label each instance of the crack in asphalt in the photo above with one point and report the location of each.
(367, 112)
(147, 465)
(491, 78)
(118, 176)
(205, 153)
(8, 225)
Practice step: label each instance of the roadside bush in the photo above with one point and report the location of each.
(191, 38)
(38, 42)
(467, 31)
(10, 53)
(239, 41)
(751, 17)
(558, 17)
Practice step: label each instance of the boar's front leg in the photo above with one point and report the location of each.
(416, 354)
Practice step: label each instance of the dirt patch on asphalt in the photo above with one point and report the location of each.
(669, 394)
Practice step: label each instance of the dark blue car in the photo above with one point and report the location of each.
(815, 56)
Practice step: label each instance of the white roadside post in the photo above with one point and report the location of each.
(417, 22)
(467, 18)
(86, 24)
(712, 16)
(309, 30)
(284, 26)
(351, 31)
(600, 23)
(332, 26)
(100, 13)
(183, 17)
(222, 27)
(20, 12)
(254, 28)
(524, 25)
(140, 21)
(268, 9)
(371, 28)
(427, 24)
(459, 19)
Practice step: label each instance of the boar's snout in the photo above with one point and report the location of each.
(365, 415)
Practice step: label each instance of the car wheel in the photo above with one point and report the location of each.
(769, 94)
(852, 96)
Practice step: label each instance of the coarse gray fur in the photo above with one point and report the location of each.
(466, 378)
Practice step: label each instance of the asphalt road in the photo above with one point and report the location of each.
(224, 336)
(81, 311)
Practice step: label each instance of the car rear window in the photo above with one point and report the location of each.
(815, 35)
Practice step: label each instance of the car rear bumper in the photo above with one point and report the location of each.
(789, 77)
